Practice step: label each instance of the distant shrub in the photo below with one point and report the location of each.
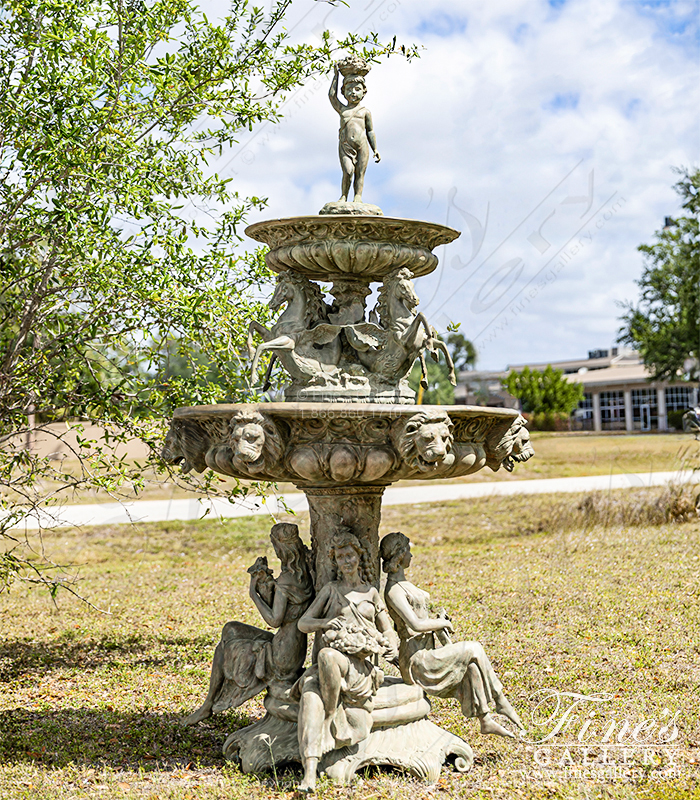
(546, 390)
(675, 419)
(627, 507)
(548, 421)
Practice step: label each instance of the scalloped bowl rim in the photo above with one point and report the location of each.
(378, 222)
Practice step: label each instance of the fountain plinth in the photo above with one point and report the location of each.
(348, 428)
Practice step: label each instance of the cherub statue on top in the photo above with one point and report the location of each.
(356, 135)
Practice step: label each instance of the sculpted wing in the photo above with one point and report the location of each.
(366, 336)
(324, 333)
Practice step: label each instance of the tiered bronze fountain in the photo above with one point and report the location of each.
(347, 429)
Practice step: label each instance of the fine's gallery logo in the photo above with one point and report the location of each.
(574, 731)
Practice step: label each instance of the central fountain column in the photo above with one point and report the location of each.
(358, 507)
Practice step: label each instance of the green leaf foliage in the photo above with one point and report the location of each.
(664, 324)
(440, 391)
(462, 351)
(120, 248)
(543, 392)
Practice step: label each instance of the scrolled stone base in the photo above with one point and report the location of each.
(357, 391)
(401, 737)
(258, 746)
(420, 748)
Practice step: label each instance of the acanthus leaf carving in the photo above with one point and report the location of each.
(472, 429)
(382, 236)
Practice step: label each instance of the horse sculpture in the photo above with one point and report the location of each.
(305, 343)
(396, 335)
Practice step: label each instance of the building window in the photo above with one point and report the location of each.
(645, 414)
(582, 418)
(678, 398)
(612, 411)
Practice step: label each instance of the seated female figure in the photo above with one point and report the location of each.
(349, 616)
(248, 659)
(461, 670)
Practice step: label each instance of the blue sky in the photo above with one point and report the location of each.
(545, 131)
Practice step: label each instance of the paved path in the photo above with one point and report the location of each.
(163, 510)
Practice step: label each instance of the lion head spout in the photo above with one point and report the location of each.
(505, 449)
(255, 443)
(424, 441)
(185, 444)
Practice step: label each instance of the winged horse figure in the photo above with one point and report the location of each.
(396, 335)
(302, 339)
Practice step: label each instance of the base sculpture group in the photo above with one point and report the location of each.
(349, 426)
(342, 712)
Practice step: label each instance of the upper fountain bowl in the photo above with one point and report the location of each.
(350, 247)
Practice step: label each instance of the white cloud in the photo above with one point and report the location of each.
(501, 106)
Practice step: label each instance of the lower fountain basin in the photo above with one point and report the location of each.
(322, 445)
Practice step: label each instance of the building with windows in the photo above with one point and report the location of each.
(618, 392)
(483, 388)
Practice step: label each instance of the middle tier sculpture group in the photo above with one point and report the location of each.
(342, 712)
(332, 354)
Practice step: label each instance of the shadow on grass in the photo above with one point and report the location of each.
(114, 739)
(20, 657)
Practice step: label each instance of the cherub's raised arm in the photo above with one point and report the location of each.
(333, 92)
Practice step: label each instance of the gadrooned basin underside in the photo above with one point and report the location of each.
(365, 248)
(322, 444)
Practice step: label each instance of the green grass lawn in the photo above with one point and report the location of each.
(572, 455)
(90, 701)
